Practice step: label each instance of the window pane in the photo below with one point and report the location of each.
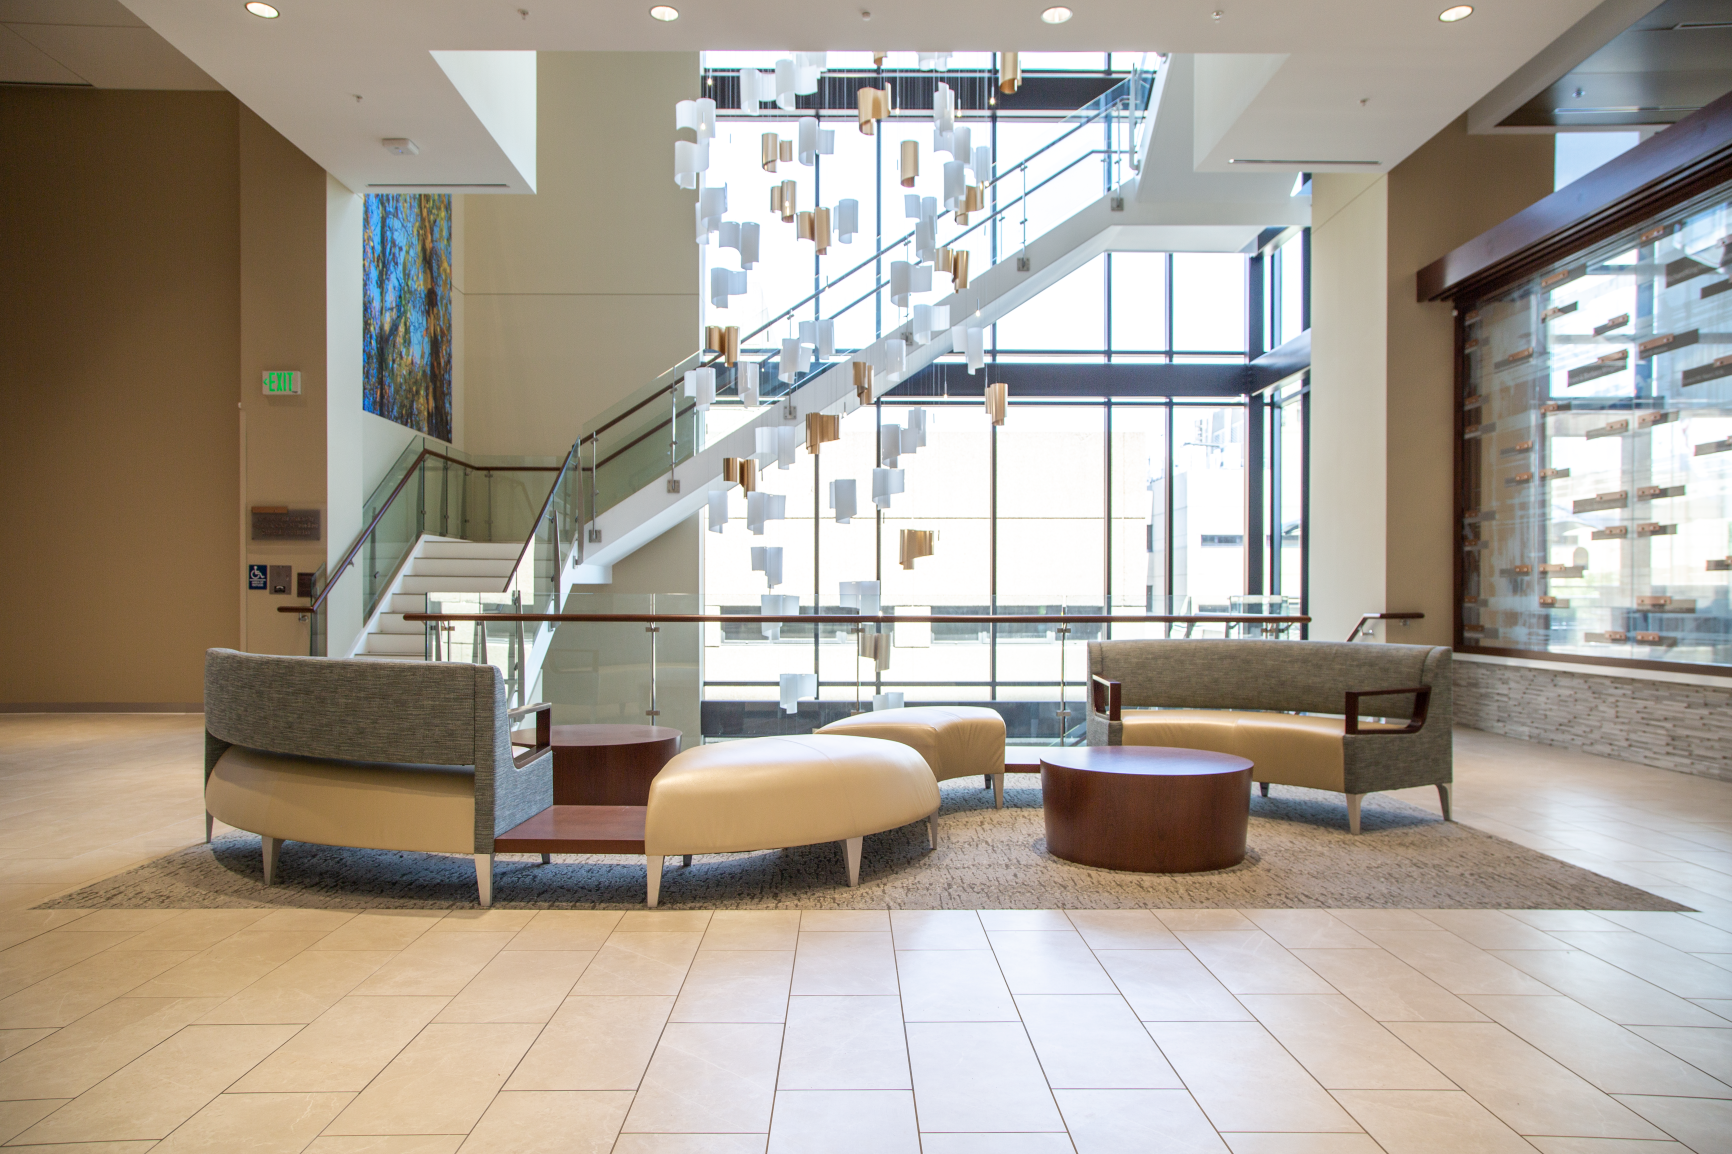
(1139, 301)
(1208, 505)
(1292, 288)
(1139, 521)
(1209, 301)
(1067, 316)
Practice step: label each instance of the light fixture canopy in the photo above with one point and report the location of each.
(1056, 15)
(262, 10)
(1458, 12)
(664, 13)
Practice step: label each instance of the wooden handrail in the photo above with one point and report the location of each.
(361, 539)
(536, 524)
(1382, 617)
(856, 618)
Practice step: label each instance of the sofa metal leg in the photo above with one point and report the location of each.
(851, 850)
(272, 848)
(1444, 789)
(932, 830)
(484, 879)
(1264, 786)
(546, 859)
(1353, 800)
(652, 864)
(208, 820)
(998, 791)
(686, 861)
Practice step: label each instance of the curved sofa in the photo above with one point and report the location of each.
(776, 792)
(369, 754)
(954, 740)
(1296, 709)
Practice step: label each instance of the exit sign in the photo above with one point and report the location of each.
(279, 383)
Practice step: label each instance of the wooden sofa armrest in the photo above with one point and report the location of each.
(543, 731)
(1421, 704)
(1106, 698)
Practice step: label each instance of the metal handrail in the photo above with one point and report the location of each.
(873, 618)
(1382, 617)
(540, 517)
(361, 538)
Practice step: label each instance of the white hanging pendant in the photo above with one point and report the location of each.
(718, 509)
(842, 500)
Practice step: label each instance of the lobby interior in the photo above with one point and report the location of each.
(1242, 326)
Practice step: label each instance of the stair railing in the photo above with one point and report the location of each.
(661, 432)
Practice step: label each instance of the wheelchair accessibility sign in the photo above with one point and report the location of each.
(256, 577)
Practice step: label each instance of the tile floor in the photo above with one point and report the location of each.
(956, 1032)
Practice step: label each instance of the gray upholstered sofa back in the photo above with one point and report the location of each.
(408, 713)
(1294, 676)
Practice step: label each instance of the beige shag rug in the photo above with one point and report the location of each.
(1301, 856)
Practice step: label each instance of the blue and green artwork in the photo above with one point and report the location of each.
(406, 311)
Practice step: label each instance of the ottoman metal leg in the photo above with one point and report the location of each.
(851, 850)
(208, 820)
(932, 830)
(998, 791)
(546, 858)
(687, 863)
(653, 878)
(272, 848)
(1264, 786)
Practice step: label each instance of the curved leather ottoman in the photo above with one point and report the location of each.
(775, 792)
(955, 740)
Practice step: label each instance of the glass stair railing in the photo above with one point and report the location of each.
(641, 440)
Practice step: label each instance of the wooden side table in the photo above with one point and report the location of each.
(1147, 808)
(609, 764)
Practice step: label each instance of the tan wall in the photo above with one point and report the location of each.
(119, 337)
(578, 295)
(1383, 384)
(162, 249)
(282, 326)
(1350, 219)
(1448, 192)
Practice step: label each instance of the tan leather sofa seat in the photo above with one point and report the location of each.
(429, 808)
(774, 792)
(954, 740)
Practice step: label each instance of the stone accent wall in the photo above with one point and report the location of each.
(1687, 728)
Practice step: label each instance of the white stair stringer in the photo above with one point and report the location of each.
(1117, 222)
(433, 565)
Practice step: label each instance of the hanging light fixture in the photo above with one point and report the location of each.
(741, 471)
(821, 427)
(762, 507)
(916, 543)
(1009, 73)
(886, 483)
(863, 382)
(769, 151)
(910, 162)
(718, 500)
(767, 559)
(794, 686)
(875, 647)
(847, 220)
(873, 105)
(755, 88)
(842, 500)
(776, 605)
(747, 384)
(997, 396)
(863, 597)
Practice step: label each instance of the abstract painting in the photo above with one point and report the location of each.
(406, 311)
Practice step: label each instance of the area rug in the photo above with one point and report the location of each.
(1301, 856)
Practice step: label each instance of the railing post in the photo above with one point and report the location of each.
(652, 712)
(1062, 632)
(522, 657)
(480, 644)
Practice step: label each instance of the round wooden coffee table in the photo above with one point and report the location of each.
(1148, 808)
(609, 764)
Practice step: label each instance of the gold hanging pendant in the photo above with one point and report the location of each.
(916, 543)
(769, 150)
(1009, 73)
(910, 167)
(996, 398)
(821, 427)
(790, 194)
(805, 226)
(863, 382)
(730, 346)
(821, 230)
(741, 471)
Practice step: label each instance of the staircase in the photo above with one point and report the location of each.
(436, 565)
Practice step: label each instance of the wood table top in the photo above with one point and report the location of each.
(1146, 760)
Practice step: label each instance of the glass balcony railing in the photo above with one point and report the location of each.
(646, 436)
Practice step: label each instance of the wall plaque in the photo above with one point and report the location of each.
(281, 523)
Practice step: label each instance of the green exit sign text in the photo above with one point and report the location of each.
(281, 383)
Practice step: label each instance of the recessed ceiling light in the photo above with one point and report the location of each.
(665, 14)
(1459, 12)
(261, 9)
(1056, 15)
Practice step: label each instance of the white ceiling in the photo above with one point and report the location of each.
(94, 43)
(1330, 80)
